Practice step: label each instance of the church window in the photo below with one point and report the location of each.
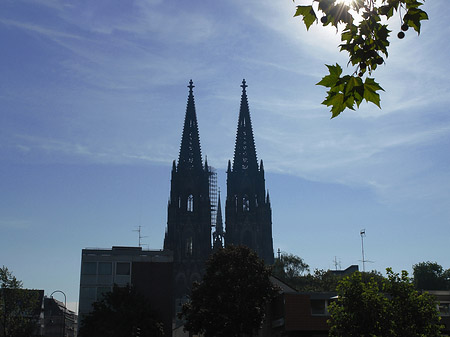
(256, 200)
(245, 204)
(236, 202)
(189, 246)
(190, 203)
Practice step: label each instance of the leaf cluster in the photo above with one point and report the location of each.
(231, 299)
(365, 37)
(390, 308)
(289, 266)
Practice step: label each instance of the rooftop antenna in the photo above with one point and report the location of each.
(140, 236)
(337, 263)
(363, 234)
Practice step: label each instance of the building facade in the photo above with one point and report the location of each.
(149, 271)
(59, 321)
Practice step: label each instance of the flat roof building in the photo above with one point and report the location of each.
(149, 271)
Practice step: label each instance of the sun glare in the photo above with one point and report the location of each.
(347, 2)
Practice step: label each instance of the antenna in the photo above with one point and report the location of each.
(363, 234)
(337, 263)
(140, 236)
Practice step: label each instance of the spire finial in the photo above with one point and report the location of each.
(244, 85)
(191, 86)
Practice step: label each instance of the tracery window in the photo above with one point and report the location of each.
(189, 246)
(245, 204)
(190, 203)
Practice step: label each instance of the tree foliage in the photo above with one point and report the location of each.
(393, 308)
(232, 297)
(294, 271)
(17, 307)
(365, 37)
(289, 266)
(431, 276)
(122, 312)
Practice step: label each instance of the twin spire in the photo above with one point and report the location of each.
(244, 152)
(190, 153)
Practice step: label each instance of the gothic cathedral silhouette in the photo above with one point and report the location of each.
(188, 233)
(248, 215)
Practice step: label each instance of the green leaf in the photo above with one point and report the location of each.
(370, 91)
(309, 16)
(413, 17)
(353, 82)
(336, 101)
(331, 79)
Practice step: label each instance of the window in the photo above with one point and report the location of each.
(189, 246)
(245, 204)
(89, 268)
(87, 293)
(123, 268)
(190, 203)
(319, 307)
(104, 268)
(444, 309)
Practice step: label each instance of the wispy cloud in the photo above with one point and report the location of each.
(64, 150)
(38, 29)
(15, 224)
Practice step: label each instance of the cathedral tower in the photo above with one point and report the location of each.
(248, 215)
(188, 232)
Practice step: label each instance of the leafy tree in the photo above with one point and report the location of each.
(288, 267)
(431, 276)
(17, 307)
(121, 313)
(394, 308)
(319, 280)
(365, 36)
(292, 269)
(232, 298)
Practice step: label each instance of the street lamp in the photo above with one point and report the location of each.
(64, 312)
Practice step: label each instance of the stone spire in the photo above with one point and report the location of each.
(219, 220)
(244, 151)
(190, 152)
(248, 215)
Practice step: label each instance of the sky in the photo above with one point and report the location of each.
(92, 101)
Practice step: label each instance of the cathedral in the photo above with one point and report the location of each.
(248, 214)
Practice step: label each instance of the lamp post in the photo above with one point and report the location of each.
(64, 311)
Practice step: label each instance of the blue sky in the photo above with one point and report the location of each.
(93, 96)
